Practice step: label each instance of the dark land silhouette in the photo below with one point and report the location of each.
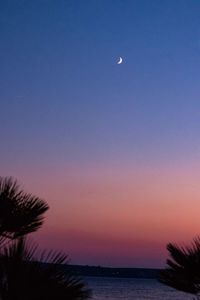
(98, 271)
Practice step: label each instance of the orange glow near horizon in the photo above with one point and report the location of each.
(119, 216)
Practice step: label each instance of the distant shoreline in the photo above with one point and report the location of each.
(98, 271)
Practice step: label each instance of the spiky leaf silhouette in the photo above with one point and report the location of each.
(24, 274)
(20, 212)
(183, 272)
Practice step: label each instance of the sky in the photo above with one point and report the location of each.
(114, 149)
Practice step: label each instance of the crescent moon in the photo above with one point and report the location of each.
(120, 61)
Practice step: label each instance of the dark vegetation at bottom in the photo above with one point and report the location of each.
(22, 272)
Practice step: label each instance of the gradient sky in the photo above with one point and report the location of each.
(114, 149)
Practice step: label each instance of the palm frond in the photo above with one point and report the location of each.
(20, 212)
(183, 272)
(179, 280)
(178, 254)
(23, 276)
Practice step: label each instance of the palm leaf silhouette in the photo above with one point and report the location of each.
(183, 272)
(24, 274)
(20, 212)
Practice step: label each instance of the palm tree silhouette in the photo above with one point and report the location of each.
(26, 274)
(20, 213)
(183, 272)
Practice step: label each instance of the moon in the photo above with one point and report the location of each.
(120, 61)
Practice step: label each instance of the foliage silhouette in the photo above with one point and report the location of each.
(183, 272)
(24, 276)
(20, 212)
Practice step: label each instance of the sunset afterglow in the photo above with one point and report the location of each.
(113, 149)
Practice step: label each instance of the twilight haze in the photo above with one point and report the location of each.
(114, 149)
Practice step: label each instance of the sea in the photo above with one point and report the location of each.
(104, 288)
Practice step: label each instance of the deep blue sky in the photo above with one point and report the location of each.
(63, 95)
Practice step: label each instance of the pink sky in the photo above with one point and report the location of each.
(117, 216)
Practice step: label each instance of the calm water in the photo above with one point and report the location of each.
(129, 289)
